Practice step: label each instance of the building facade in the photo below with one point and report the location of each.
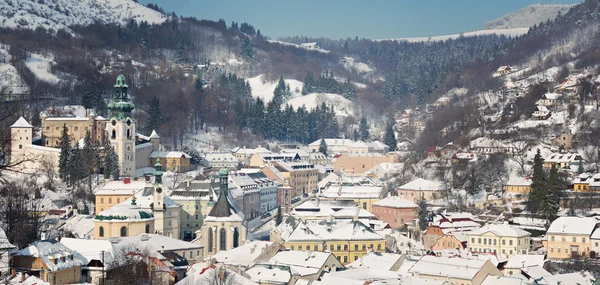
(503, 240)
(395, 211)
(570, 237)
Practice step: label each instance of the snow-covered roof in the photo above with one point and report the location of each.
(350, 212)
(376, 260)
(291, 166)
(577, 278)
(353, 191)
(333, 142)
(336, 230)
(490, 144)
(525, 260)
(269, 274)
(157, 243)
(91, 249)
(203, 273)
(154, 135)
(519, 181)
(124, 211)
(502, 280)
(121, 188)
(395, 202)
(573, 226)
(169, 154)
(243, 255)
(29, 280)
(501, 230)
(55, 255)
(422, 185)
(145, 199)
(551, 96)
(21, 123)
(250, 151)
(220, 156)
(541, 109)
(557, 157)
(301, 262)
(4, 243)
(454, 267)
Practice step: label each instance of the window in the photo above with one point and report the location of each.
(299, 247)
(511, 251)
(236, 236)
(101, 231)
(472, 240)
(484, 241)
(503, 251)
(102, 200)
(356, 246)
(345, 247)
(339, 247)
(379, 247)
(110, 200)
(113, 134)
(118, 200)
(355, 257)
(123, 231)
(364, 247)
(196, 216)
(494, 241)
(365, 205)
(510, 242)
(210, 240)
(223, 239)
(331, 247)
(551, 249)
(503, 242)
(292, 247)
(147, 229)
(479, 240)
(574, 239)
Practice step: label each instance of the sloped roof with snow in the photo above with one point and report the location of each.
(21, 123)
(301, 262)
(395, 202)
(120, 188)
(243, 255)
(422, 185)
(502, 280)
(270, 274)
(350, 212)
(124, 211)
(502, 230)
(573, 226)
(519, 181)
(29, 280)
(203, 273)
(459, 268)
(169, 154)
(52, 253)
(336, 230)
(157, 243)
(577, 278)
(376, 260)
(91, 249)
(525, 260)
(353, 191)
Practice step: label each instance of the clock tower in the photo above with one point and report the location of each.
(121, 127)
(158, 204)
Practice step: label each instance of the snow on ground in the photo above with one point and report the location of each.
(359, 85)
(41, 66)
(264, 89)
(557, 118)
(51, 15)
(298, 46)
(342, 106)
(352, 65)
(506, 32)
(10, 80)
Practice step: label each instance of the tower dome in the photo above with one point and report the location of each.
(223, 172)
(120, 106)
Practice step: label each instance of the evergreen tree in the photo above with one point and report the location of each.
(65, 153)
(550, 203)
(390, 136)
(472, 182)
(580, 168)
(155, 118)
(280, 91)
(363, 129)
(355, 135)
(348, 90)
(278, 216)
(309, 84)
(76, 165)
(100, 105)
(89, 157)
(537, 184)
(107, 163)
(87, 100)
(323, 147)
(423, 214)
(247, 50)
(115, 172)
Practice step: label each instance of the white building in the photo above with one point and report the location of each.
(541, 113)
(221, 160)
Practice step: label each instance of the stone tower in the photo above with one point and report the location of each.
(223, 228)
(158, 205)
(121, 127)
(21, 136)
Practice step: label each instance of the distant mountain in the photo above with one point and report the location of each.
(61, 14)
(528, 16)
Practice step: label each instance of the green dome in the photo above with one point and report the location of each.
(223, 172)
(121, 81)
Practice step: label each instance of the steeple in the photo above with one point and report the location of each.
(158, 173)
(120, 106)
(222, 208)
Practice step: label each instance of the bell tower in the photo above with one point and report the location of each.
(158, 204)
(121, 127)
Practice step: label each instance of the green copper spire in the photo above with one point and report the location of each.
(120, 105)
(158, 173)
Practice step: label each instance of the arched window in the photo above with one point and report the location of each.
(210, 240)
(101, 231)
(236, 238)
(147, 229)
(128, 133)
(123, 231)
(223, 239)
(114, 134)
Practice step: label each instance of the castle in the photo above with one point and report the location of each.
(134, 151)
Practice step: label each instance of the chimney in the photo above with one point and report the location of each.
(58, 238)
(127, 180)
(355, 218)
(23, 277)
(162, 249)
(187, 183)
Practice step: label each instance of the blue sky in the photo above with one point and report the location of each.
(349, 18)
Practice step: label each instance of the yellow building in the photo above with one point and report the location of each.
(421, 189)
(454, 269)
(569, 237)
(62, 266)
(176, 161)
(196, 199)
(347, 239)
(518, 185)
(76, 128)
(451, 240)
(503, 239)
(302, 176)
(364, 196)
(122, 221)
(115, 192)
(586, 182)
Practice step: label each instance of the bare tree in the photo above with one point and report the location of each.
(520, 154)
(130, 265)
(48, 167)
(20, 214)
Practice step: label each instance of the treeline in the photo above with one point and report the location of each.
(273, 122)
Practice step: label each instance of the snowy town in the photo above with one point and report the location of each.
(217, 155)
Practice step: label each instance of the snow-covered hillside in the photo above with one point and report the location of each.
(506, 32)
(528, 16)
(342, 106)
(10, 80)
(41, 66)
(61, 14)
(264, 89)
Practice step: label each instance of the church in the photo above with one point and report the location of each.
(134, 150)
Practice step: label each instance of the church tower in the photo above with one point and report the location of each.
(158, 206)
(121, 127)
(223, 228)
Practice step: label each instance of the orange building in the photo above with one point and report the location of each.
(361, 162)
(451, 241)
(431, 236)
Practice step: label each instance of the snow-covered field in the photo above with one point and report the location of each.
(264, 89)
(41, 66)
(506, 32)
(298, 46)
(66, 13)
(342, 106)
(10, 80)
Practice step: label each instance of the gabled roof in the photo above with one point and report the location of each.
(573, 226)
(154, 135)
(454, 267)
(501, 230)
(341, 230)
(422, 185)
(395, 202)
(21, 123)
(376, 260)
(55, 255)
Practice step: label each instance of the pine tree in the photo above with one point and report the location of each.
(115, 172)
(537, 184)
(280, 91)
(580, 168)
(323, 147)
(155, 118)
(247, 50)
(390, 136)
(107, 162)
(309, 83)
(76, 165)
(550, 203)
(87, 100)
(89, 157)
(472, 182)
(348, 90)
(278, 216)
(363, 129)
(65, 153)
(355, 135)
(423, 214)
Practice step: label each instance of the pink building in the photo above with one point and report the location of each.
(395, 211)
